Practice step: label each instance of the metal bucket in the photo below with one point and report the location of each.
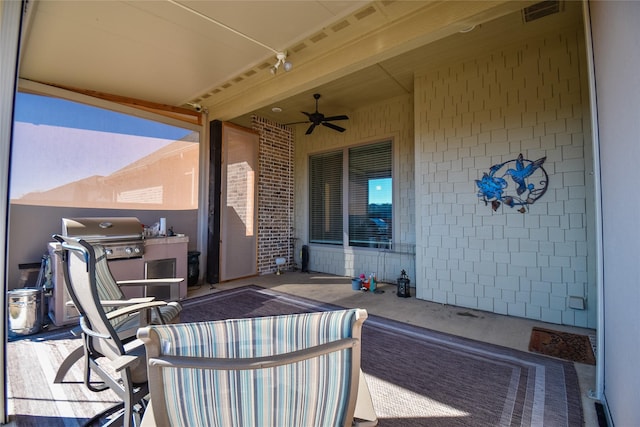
(25, 311)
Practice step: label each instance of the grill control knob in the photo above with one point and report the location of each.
(136, 250)
(128, 251)
(108, 251)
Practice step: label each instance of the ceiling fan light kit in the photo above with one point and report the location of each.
(316, 118)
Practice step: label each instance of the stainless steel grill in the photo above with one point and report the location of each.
(120, 236)
(123, 243)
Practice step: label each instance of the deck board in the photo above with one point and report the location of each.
(34, 400)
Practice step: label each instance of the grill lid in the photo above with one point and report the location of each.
(101, 229)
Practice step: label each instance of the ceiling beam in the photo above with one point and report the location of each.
(174, 116)
(177, 113)
(432, 22)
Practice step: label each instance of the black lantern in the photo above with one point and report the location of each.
(404, 288)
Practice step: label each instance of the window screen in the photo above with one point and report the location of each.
(370, 195)
(75, 155)
(325, 173)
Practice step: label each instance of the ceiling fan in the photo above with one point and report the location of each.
(317, 119)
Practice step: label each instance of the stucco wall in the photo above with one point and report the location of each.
(482, 111)
(617, 83)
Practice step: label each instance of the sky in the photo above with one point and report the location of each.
(43, 110)
(380, 191)
(57, 141)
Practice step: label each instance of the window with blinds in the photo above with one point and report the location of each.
(325, 180)
(370, 195)
(369, 212)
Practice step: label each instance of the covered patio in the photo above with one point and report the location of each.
(454, 88)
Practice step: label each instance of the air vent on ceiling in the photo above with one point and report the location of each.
(540, 10)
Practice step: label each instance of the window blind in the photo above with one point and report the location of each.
(370, 195)
(325, 173)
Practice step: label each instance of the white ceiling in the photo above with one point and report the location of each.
(352, 52)
(157, 50)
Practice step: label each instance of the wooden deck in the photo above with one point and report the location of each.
(34, 400)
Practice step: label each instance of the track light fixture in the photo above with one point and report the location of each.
(281, 60)
(197, 107)
(280, 56)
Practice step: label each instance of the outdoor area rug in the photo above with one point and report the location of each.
(564, 345)
(420, 377)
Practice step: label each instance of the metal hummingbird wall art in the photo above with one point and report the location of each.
(515, 183)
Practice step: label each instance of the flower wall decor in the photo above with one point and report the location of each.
(518, 182)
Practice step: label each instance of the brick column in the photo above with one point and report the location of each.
(275, 195)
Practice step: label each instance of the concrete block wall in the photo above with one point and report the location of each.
(390, 120)
(275, 195)
(486, 110)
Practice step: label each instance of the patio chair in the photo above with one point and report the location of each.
(291, 370)
(112, 298)
(119, 365)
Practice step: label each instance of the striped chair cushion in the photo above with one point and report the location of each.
(308, 393)
(168, 313)
(108, 289)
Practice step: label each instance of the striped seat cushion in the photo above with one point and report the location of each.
(169, 313)
(313, 392)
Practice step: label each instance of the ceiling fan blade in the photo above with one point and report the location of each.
(296, 123)
(342, 117)
(311, 128)
(318, 118)
(334, 127)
